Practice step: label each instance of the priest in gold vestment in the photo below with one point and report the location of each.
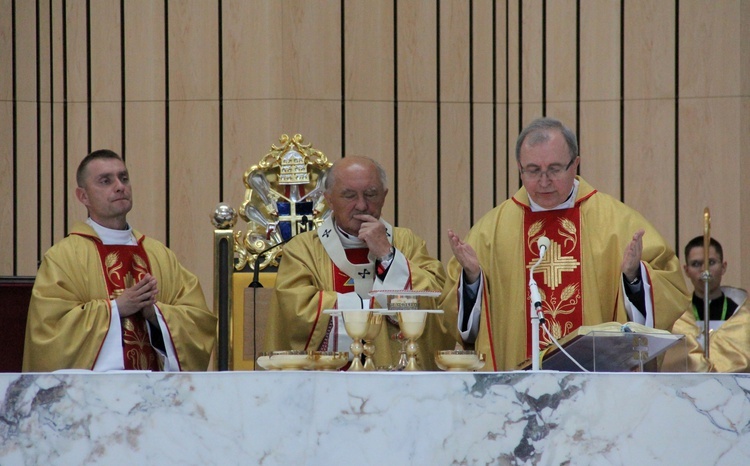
(605, 261)
(337, 266)
(108, 298)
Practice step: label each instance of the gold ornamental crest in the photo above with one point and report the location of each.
(283, 197)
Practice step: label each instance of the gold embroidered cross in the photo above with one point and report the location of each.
(553, 265)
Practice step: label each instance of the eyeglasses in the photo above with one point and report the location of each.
(553, 172)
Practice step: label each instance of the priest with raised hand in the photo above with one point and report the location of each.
(108, 298)
(353, 252)
(605, 261)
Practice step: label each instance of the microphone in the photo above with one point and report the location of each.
(543, 244)
(535, 312)
(256, 270)
(536, 299)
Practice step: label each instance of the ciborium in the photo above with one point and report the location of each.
(412, 318)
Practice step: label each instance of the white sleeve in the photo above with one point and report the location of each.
(110, 356)
(169, 360)
(469, 334)
(634, 315)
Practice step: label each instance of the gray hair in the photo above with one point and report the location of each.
(538, 132)
(331, 175)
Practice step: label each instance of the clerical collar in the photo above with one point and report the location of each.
(110, 236)
(567, 203)
(348, 241)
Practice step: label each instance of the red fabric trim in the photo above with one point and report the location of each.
(651, 294)
(317, 318)
(486, 301)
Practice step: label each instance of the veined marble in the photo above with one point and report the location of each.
(317, 418)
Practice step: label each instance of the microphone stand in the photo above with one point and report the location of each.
(535, 313)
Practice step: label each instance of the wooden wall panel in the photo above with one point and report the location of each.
(483, 152)
(417, 121)
(600, 80)
(7, 136)
(532, 61)
(436, 91)
(77, 78)
(744, 142)
(44, 134)
(193, 141)
(311, 57)
(7, 183)
(710, 106)
(560, 71)
(145, 125)
(649, 114)
(454, 175)
(369, 87)
(27, 163)
(253, 49)
(58, 178)
(105, 69)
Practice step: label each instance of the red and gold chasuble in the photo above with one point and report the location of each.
(123, 267)
(343, 283)
(558, 276)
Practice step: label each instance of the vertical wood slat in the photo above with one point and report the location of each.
(145, 114)
(710, 106)
(650, 119)
(454, 177)
(7, 136)
(26, 201)
(416, 184)
(282, 71)
(193, 169)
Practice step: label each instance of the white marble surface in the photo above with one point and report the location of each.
(313, 418)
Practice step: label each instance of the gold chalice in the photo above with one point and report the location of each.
(412, 323)
(376, 323)
(356, 323)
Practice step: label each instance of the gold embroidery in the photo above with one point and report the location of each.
(140, 266)
(532, 234)
(571, 229)
(113, 264)
(553, 265)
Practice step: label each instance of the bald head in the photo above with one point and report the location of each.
(355, 187)
(343, 165)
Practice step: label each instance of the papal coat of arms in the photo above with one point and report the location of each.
(283, 197)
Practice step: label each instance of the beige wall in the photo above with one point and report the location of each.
(193, 92)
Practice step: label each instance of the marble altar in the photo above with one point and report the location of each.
(316, 418)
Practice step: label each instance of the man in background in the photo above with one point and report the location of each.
(729, 318)
(108, 298)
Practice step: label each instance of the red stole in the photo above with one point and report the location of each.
(558, 276)
(343, 283)
(123, 267)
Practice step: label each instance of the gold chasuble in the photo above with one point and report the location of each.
(308, 281)
(580, 279)
(124, 266)
(70, 314)
(558, 276)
